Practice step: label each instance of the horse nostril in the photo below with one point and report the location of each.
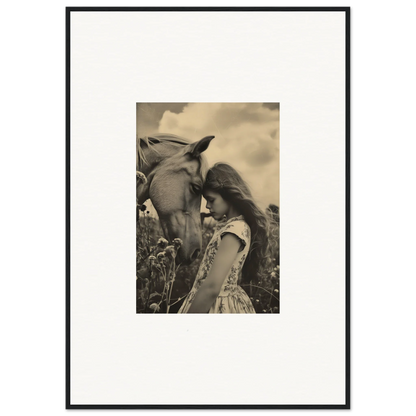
(195, 254)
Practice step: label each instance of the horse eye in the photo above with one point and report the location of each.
(195, 189)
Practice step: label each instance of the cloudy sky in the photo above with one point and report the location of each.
(246, 136)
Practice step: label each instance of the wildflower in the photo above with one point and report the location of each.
(162, 242)
(257, 301)
(276, 291)
(154, 307)
(161, 256)
(141, 177)
(177, 242)
(273, 277)
(170, 251)
(152, 259)
(163, 260)
(277, 268)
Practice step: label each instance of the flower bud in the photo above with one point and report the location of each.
(177, 242)
(141, 177)
(162, 242)
(170, 251)
(154, 307)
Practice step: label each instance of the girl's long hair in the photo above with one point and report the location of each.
(225, 180)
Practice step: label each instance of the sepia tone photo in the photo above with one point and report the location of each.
(207, 208)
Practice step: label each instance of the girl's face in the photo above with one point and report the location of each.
(216, 204)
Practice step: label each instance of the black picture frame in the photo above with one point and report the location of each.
(67, 407)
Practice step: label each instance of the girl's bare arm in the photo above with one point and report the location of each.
(209, 290)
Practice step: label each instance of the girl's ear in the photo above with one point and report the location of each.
(195, 149)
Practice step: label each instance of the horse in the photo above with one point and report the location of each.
(174, 171)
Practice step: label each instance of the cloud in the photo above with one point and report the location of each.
(149, 115)
(246, 136)
(260, 152)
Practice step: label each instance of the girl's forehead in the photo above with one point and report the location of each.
(210, 194)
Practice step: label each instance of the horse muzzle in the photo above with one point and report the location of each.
(189, 231)
(187, 260)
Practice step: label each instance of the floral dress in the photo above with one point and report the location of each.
(232, 297)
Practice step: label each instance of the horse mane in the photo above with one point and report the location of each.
(165, 138)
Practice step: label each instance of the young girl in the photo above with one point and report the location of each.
(237, 249)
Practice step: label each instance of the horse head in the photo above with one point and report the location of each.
(175, 189)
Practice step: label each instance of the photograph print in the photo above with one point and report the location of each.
(207, 208)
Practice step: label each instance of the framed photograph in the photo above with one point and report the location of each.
(236, 171)
(237, 120)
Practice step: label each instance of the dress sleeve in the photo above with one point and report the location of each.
(241, 230)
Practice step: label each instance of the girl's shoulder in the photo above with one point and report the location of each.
(239, 222)
(239, 227)
(235, 222)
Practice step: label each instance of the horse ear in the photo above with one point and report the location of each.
(195, 149)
